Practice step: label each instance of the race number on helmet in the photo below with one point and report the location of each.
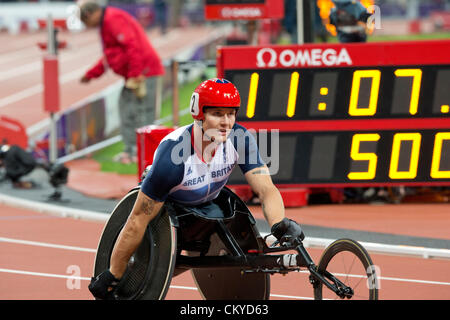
(214, 93)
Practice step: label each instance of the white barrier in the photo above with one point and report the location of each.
(14, 15)
(52, 209)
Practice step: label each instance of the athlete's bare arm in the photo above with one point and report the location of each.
(261, 183)
(144, 210)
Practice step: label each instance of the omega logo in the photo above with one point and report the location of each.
(269, 58)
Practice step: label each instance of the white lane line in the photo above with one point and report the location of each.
(51, 275)
(37, 89)
(37, 65)
(184, 288)
(65, 57)
(393, 279)
(291, 297)
(27, 217)
(18, 54)
(426, 253)
(42, 274)
(68, 77)
(416, 281)
(20, 95)
(52, 209)
(24, 53)
(47, 245)
(272, 294)
(73, 248)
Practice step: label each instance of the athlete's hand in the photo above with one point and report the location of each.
(287, 230)
(103, 286)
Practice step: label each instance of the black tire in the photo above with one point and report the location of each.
(349, 262)
(150, 269)
(229, 283)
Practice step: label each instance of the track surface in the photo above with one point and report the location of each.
(49, 257)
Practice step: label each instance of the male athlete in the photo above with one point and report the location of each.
(191, 165)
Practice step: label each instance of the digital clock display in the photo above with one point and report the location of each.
(344, 93)
(374, 156)
(348, 115)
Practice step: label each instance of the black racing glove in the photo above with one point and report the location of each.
(104, 286)
(287, 230)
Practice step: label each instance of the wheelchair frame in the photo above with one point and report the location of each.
(237, 246)
(265, 262)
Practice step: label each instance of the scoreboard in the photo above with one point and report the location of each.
(347, 115)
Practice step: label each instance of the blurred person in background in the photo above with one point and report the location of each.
(129, 53)
(160, 7)
(320, 31)
(17, 163)
(349, 17)
(289, 22)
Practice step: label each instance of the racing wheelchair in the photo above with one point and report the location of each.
(228, 257)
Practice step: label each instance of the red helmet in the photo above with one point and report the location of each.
(214, 93)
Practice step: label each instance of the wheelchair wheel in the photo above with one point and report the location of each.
(150, 269)
(229, 283)
(349, 262)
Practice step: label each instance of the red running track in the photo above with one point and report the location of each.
(39, 254)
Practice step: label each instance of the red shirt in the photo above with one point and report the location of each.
(126, 47)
